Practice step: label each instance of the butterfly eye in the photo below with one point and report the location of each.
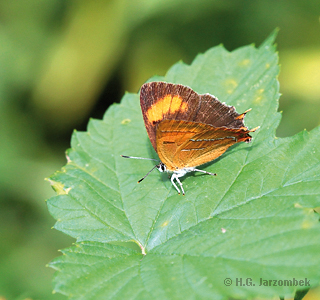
(161, 167)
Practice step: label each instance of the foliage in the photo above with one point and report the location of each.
(254, 220)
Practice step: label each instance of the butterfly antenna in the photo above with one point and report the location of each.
(147, 173)
(125, 156)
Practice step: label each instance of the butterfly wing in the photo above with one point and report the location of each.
(184, 144)
(162, 101)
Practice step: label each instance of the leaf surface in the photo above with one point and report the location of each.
(252, 222)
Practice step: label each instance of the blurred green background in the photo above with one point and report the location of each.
(63, 61)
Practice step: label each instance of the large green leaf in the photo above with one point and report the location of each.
(253, 221)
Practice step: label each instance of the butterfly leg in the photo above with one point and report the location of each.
(175, 177)
(205, 172)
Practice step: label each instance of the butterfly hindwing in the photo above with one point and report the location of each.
(184, 144)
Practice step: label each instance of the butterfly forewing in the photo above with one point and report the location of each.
(164, 101)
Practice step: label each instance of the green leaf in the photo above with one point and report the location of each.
(252, 222)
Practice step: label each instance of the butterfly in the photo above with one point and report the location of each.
(187, 129)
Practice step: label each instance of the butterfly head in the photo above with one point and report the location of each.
(161, 167)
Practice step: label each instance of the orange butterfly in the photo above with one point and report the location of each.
(187, 129)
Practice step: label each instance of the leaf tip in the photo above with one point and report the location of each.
(59, 187)
(269, 41)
